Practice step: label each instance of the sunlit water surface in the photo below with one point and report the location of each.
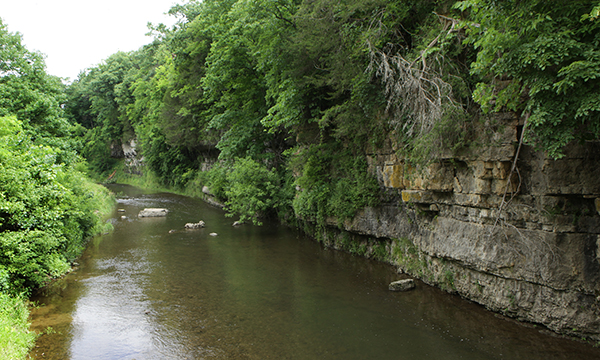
(257, 293)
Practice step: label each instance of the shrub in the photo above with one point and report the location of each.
(47, 210)
(252, 190)
(15, 337)
(333, 182)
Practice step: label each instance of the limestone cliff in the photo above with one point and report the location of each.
(525, 243)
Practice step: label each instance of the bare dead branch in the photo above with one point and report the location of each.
(416, 93)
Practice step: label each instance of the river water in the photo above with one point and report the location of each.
(252, 292)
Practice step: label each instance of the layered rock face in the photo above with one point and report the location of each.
(523, 242)
(134, 163)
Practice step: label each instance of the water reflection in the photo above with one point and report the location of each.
(257, 293)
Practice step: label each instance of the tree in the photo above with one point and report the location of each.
(542, 59)
(32, 95)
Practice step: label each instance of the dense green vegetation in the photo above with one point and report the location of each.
(273, 105)
(46, 211)
(48, 207)
(278, 90)
(541, 58)
(15, 337)
(290, 95)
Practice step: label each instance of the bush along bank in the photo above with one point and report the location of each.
(48, 207)
(15, 338)
(48, 211)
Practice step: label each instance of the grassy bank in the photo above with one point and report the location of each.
(148, 180)
(15, 338)
(23, 251)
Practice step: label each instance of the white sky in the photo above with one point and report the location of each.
(78, 34)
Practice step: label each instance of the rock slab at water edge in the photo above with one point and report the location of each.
(402, 285)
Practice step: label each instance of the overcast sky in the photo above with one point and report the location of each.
(77, 34)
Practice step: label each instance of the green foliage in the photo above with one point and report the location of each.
(26, 90)
(97, 101)
(46, 210)
(96, 148)
(410, 259)
(332, 183)
(216, 179)
(170, 163)
(9, 126)
(252, 190)
(380, 251)
(33, 96)
(287, 91)
(248, 188)
(15, 338)
(541, 58)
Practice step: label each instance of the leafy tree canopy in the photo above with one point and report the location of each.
(47, 206)
(541, 58)
(294, 86)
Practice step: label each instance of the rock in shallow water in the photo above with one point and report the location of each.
(402, 285)
(198, 225)
(153, 212)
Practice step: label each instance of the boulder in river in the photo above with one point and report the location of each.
(198, 225)
(402, 285)
(153, 212)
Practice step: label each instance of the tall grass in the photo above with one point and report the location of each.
(15, 338)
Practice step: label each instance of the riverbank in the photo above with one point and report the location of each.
(149, 181)
(16, 338)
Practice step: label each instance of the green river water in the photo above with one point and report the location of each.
(252, 292)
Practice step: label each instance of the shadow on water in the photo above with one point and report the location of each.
(250, 292)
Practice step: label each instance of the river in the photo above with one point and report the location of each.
(268, 292)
